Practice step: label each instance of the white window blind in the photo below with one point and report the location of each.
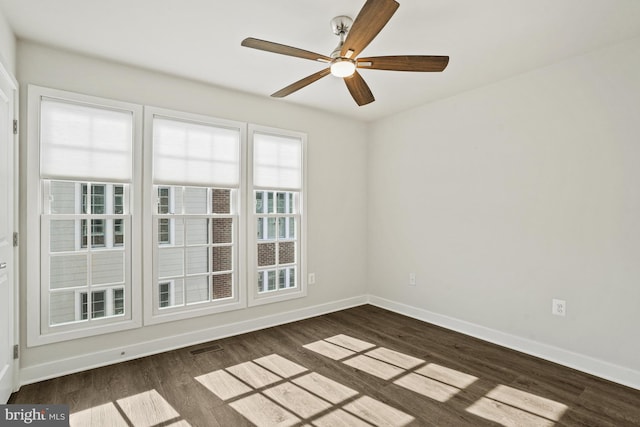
(188, 153)
(277, 161)
(80, 141)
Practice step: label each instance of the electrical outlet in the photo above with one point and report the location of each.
(412, 279)
(312, 279)
(558, 307)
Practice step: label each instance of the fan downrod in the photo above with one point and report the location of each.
(340, 25)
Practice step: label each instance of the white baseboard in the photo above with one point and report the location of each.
(589, 365)
(606, 370)
(44, 371)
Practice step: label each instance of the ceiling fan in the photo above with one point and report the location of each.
(354, 35)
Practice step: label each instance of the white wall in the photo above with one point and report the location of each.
(7, 45)
(502, 198)
(336, 231)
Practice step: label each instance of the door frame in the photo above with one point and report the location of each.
(8, 77)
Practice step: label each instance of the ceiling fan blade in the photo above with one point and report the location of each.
(404, 63)
(301, 83)
(359, 89)
(283, 49)
(373, 16)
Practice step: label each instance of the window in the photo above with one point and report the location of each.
(81, 156)
(195, 214)
(224, 216)
(277, 248)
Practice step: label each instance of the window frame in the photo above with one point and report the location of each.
(39, 332)
(256, 298)
(152, 313)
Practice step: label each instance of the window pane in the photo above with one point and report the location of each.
(170, 293)
(62, 307)
(97, 199)
(67, 271)
(222, 258)
(165, 294)
(98, 304)
(271, 228)
(222, 286)
(292, 228)
(197, 231)
(292, 277)
(197, 289)
(63, 197)
(261, 281)
(271, 280)
(176, 227)
(97, 233)
(266, 254)
(118, 232)
(62, 236)
(84, 306)
(221, 201)
(170, 262)
(260, 205)
(222, 230)
(266, 228)
(267, 281)
(286, 252)
(163, 200)
(285, 202)
(282, 276)
(270, 202)
(195, 200)
(197, 260)
(107, 267)
(164, 231)
(118, 301)
(118, 199)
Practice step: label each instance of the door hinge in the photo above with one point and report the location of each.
(15, 126)
(16, 351)
(15, 239)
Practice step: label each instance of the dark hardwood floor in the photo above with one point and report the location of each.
(362, 366)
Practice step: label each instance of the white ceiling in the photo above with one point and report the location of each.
(487, 41)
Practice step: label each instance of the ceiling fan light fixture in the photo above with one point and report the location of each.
(343, 67)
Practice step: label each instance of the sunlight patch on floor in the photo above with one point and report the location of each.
(427, 387)
(253, 374)
(433, 381)
(513, 408)
(101, 415)
(223, 384)
(147, 409)
(395, 358)
(349, 342)
(297, 400)
(264, 412)
(329, 350)
(141, 410)
(447, 375)
(274, 391)
(280, 366)
(374, 367)
(326, 388)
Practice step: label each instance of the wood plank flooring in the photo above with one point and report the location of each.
(358, 367)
